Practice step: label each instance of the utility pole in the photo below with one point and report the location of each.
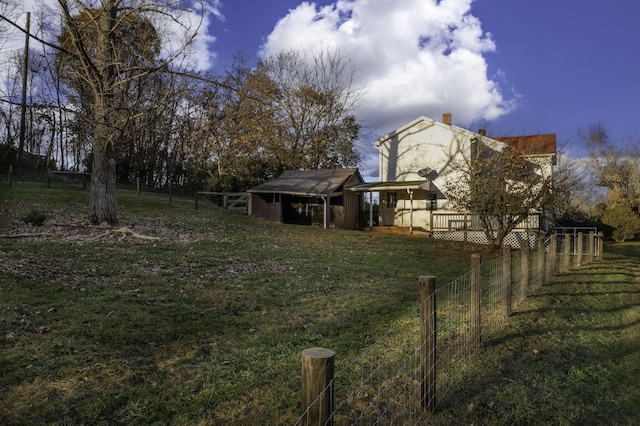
(23, 105)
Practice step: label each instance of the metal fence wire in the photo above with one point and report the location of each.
(385, 384)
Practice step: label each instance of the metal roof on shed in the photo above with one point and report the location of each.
(309, 183)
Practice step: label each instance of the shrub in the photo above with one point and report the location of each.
(35, 218)
(624, 221)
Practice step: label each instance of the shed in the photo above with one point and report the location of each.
(310, 197)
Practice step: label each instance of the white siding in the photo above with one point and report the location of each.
(421, 143)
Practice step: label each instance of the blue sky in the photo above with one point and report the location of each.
(574, 63)
(522, 66)
(559, 65)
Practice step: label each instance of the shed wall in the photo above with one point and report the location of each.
(262, 209)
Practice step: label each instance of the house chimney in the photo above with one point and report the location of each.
(446, 118)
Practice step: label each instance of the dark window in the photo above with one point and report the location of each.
(432, 201)
(392, 200)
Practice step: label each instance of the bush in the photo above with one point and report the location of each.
(624, 221)
(35, 218)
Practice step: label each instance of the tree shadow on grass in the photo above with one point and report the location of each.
(568, 356)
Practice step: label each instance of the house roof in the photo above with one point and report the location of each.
(426, 122)
(544, 144)
(415, 121)
(532, 144)
(310, 183)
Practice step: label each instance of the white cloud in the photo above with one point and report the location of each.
(175, 27)
(415, 57)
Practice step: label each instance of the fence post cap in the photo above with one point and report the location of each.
(319, 353)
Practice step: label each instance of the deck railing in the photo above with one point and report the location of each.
(471, 222)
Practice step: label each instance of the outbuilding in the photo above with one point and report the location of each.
(310, 197)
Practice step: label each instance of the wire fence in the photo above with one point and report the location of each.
(402, 378)
(389, 383)
(69, 179)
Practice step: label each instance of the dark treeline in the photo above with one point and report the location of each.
(223, 131)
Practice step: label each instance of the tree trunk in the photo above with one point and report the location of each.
(102, 201)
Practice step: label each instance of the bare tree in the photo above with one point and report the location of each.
(498, 183)
(239, 121)
(289, 112)
(7, 8)
(316, 103)
(100, 40)
(615, 166)
(570, 190)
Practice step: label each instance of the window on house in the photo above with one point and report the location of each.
(432, 201)
(392, 199)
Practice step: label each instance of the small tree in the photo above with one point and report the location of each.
(498, 183)
(624, 221)
(615, 166)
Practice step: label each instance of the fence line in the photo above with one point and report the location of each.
(390, 382)
(71, 178)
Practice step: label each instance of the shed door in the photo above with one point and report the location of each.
(389, 204)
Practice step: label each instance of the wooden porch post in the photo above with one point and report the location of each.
(371, 209)
(410, 211)
(327, 203)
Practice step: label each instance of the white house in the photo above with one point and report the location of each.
(414, 164)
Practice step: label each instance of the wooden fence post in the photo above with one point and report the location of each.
(540, 267)
(600, 245)
(553, 255)
(579, 247)
(507, 279)
(170, 192)
(476, 280)
(427, 299)
(318, 366)
(591, 247)
(567, 252)
(525, 272)
(138, 185)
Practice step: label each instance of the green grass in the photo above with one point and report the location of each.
(569, 356)
(205, 325)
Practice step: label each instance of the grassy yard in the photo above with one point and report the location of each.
(569, 356)
(202, 324)
(199, 317)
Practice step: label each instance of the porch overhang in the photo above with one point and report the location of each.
(392, 186)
